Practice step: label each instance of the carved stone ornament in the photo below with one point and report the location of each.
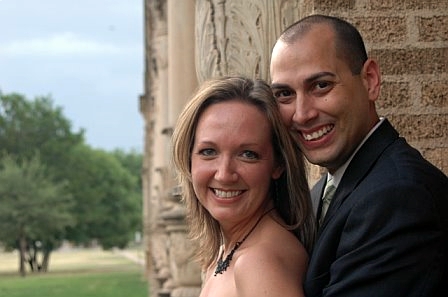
(235, 37)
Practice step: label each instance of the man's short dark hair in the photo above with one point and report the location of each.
(349, 44)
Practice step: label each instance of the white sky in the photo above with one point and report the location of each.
(87, 55)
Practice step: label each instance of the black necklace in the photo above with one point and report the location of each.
(223, 265)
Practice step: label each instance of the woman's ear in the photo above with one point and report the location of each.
(277, 172)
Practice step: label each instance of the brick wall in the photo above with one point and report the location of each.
(409, 38)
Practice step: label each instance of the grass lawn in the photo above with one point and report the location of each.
(80, 273)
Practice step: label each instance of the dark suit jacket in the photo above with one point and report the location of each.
(386, 230)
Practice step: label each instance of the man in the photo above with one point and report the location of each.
(385, 231)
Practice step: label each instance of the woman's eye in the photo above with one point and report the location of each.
(250, 155)
(207, 152)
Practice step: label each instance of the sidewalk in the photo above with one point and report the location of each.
(135, 256)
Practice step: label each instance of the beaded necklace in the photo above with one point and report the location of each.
(224, 264)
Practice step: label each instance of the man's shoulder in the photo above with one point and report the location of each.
(405, 161)
(390, 155)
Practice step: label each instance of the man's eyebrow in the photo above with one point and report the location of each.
(319, 75)
(279, 86)
(308, 80)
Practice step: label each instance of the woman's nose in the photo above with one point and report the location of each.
(225, 171)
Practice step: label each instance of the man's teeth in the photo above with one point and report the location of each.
(226, 194)
(317, 134)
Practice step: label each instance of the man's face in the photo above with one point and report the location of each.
(328, 108)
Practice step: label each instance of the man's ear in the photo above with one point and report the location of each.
(372, 78)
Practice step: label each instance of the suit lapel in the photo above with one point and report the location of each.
(361, 164)
(316, 194)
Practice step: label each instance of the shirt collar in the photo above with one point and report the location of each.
(337, 175)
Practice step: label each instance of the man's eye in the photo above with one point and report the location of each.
(282, 94)
(207, 152)
(322, 85)
(250, 155)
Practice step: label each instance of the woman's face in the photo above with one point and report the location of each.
(232, 161)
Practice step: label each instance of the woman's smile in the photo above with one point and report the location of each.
(226, 193)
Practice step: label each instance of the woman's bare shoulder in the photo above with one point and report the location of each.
(276, 245)
(274, 262)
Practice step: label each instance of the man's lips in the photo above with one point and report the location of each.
(312, 136)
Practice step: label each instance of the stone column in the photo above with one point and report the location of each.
(182, 82)
(181, 43)
(154, 107)
(160, 199)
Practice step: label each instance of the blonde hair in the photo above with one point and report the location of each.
(291, 190)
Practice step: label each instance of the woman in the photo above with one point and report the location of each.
(245, 189)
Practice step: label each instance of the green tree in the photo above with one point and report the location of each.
(35, 127)
(27, 127)
(34, 209)
(106, 207)
(133, 162)
(106, 187)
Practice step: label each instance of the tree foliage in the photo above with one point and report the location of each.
(107, 208)
(33, 209)
(27, 127)
(100, 191)
(133, 161)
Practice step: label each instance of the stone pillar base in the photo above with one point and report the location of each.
(186, 292)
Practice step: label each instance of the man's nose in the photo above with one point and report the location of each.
(304, 110)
